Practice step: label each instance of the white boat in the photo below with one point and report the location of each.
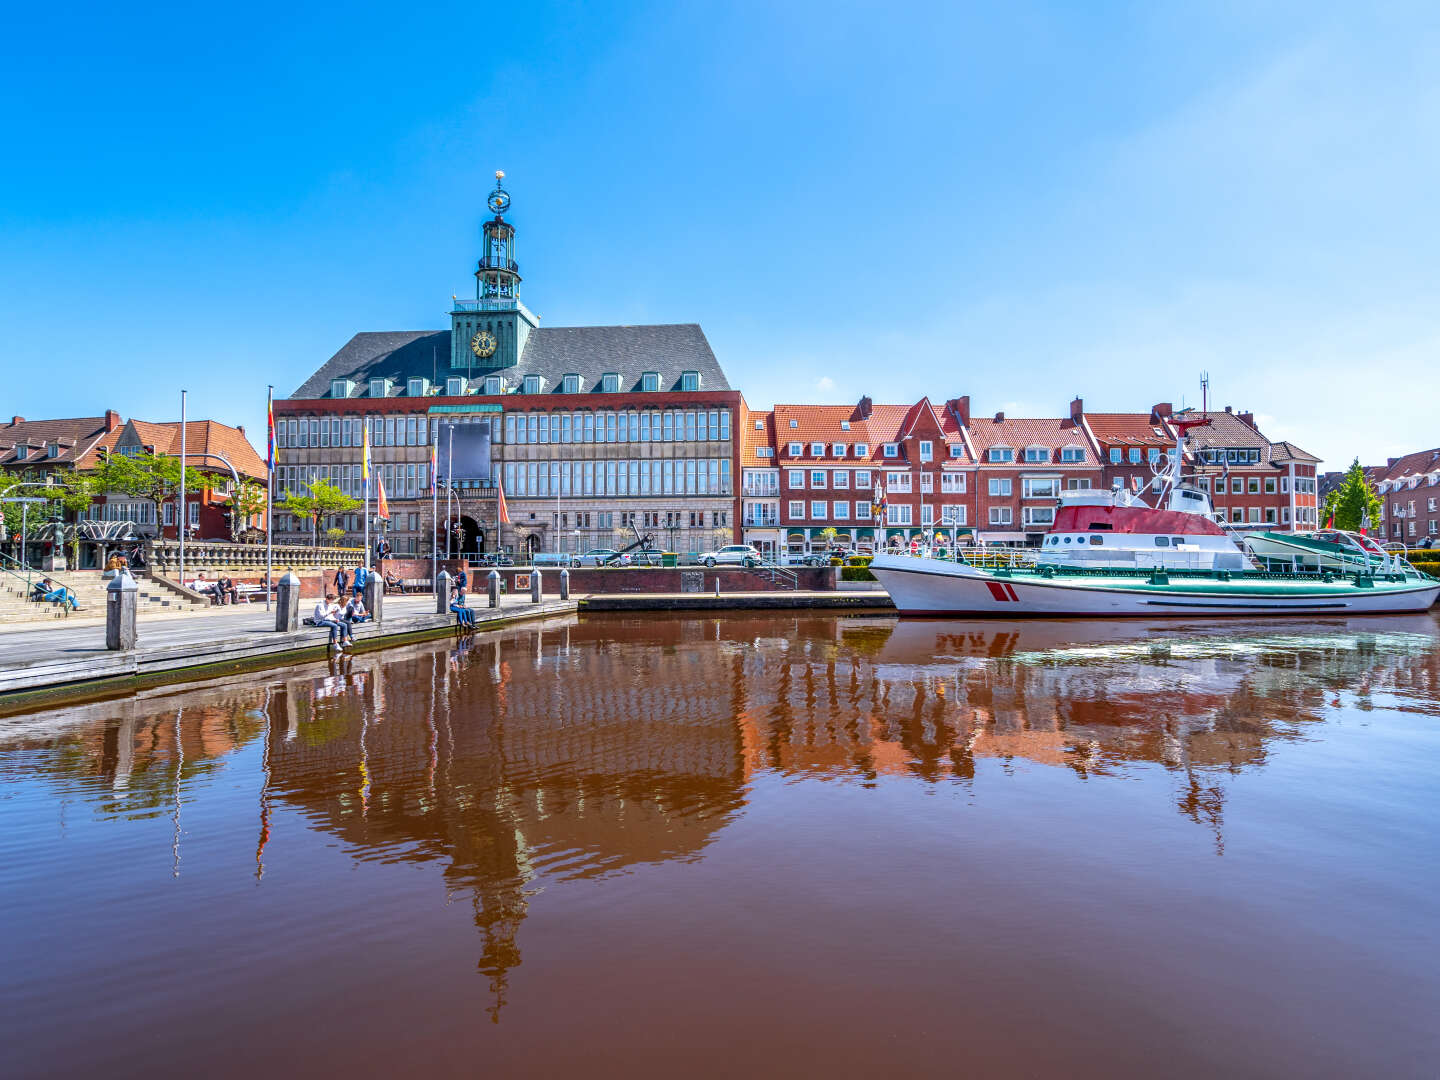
(1110, 553)
(1328, 549)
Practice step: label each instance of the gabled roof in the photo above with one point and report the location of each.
(27, 441)
(201, 437)
(1020, 432)
(550, 352)
(1420, 463)
(883, 424)
(1284, 451)
(1225, 430)
(1131, 429)
(751, 437)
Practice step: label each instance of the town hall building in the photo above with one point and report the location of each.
(596, 433)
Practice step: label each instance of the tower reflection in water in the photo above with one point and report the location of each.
(577, 749)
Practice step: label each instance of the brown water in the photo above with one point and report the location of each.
(705, 847)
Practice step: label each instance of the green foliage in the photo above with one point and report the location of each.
(1350, 503)
(324, 500)
(857, 573)
(145, 476)
(858, 560)
(334, 536)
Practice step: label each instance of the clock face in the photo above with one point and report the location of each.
(499, 201)
(483, 344)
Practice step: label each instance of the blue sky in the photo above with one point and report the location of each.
(1021, 202)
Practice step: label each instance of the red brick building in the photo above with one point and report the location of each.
(1255, 483)
(1409, 490)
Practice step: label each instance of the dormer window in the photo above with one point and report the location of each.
(794, 424)
(690, 381)
(417, 387)
(1001, 455)
(53, 450)
(1071, 454)
(494, 384)
(956, 450)
(379, 387)
(795, 449)
(533, 384)
(455, 386)
(892, 449)
(570, 384)
(650, 381)
(341, 388)
(862, 450)
(759, 425)
(837, 449)
(817, 449)
(844, 425)
(927, 450)
(1036, 454)
(610, 383)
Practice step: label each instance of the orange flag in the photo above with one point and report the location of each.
(382, 508)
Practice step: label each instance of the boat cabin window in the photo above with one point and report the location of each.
(1162, 541)
(1067, 539)
(1095, 541)
(1189, 495)
(1176, 541)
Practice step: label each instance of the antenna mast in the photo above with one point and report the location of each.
(1204, 392)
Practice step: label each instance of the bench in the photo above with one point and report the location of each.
(249, 593)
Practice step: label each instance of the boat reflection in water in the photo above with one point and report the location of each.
(585, 751)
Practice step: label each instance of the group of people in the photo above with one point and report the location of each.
(50, 592)
(340, 619)
(463, 615)
(221, 591)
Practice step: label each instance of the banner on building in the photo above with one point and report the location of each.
(464, 451)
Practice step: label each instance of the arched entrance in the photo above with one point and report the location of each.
(466, 537)
(532, 545)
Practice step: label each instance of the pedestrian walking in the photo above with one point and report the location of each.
(342, 581)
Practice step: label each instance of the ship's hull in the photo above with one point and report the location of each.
(937, 587)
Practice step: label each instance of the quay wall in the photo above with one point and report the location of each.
(605, 581)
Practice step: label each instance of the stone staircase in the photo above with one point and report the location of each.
(155, 599)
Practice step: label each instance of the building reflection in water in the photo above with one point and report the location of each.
(578, 749)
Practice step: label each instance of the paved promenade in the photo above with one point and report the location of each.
(51, 655)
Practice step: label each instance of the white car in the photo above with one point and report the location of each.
(732, 555)
(601, 557)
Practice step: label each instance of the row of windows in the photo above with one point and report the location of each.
(1228, 457)
(1031, 517)
(1430, 506)
(1267, 515)
(689, 476)
(1432, 529)
(897, 514)
(1002, 455)
(672, 425)
(326, 431)
(402, 480)
(1408, 482)
(1239, 485)
(1133, 454)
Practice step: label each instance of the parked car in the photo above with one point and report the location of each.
(814, 558)
(602, 557)
(494, 558)
(731, 555)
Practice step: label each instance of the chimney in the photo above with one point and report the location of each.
(862, 409)
(960, 408)
(1228, 409)
(1162, 410)
(999, 418)
(112, 420)
(1390, 462)
(16, 420)
(1248, 419)
(240, 428)
(1077, 409)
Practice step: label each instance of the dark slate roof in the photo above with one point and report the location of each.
(552, 352)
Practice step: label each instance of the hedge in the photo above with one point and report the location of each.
(856, 573)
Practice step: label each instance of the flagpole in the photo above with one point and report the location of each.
(449, 486)
(434, 508)
(180, 520)
(269, 490)
(366, 470)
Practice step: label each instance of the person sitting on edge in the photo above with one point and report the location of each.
(342, 581)
(463, 615)
(327, 613)
(355, 611)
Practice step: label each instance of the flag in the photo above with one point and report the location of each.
(270, 424)
(382, 508)
(501, 508)
(1330, 522)
(365, 459)
(434, 466)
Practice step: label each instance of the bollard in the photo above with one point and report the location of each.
(493, 584)
(564, 584)
(287, 604)
(717, 584)
(535, 586)
(120, 597)
(442, 593)
(375, 597)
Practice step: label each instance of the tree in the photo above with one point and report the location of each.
(828, 535)
(324, 500)
(1353, 501)
(146, 476)
(247, 500)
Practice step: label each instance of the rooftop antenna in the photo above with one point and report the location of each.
(1204, 392)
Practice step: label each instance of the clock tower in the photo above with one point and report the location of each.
(489, 332)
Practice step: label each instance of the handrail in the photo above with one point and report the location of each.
(15, 573)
